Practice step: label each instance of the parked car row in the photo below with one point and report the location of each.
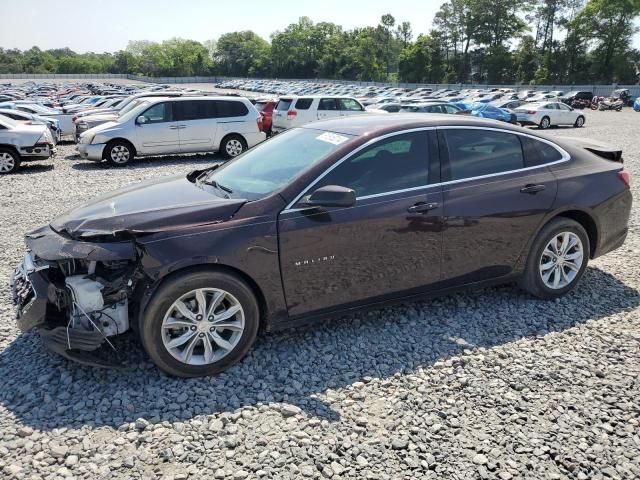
(117, 123)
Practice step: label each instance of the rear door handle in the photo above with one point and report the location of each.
(532, 189)
(422, 207)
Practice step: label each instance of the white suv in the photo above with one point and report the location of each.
(293, 111)
(20, 142)
(175, 125)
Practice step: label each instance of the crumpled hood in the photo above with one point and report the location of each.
(103, 117)
(153, 206)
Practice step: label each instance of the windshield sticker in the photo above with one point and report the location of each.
(332, 138)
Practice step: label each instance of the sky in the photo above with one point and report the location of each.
(108, 25)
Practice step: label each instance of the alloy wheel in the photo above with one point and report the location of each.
(233, 147)
(203, 326)
(545, 123)
(7, 162)
(561, 260)
(120, 154)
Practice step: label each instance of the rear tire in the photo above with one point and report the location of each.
(9, 160)
(212, 347)
(579, 122)
(119, 153)
(233, 145)
(545, 123)
(550, 271)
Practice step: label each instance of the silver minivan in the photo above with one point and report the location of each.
(175, 125)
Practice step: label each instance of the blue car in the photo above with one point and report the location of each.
(636, 105)
(484, 110)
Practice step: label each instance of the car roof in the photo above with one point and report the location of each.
(380, 124)
(286, 97)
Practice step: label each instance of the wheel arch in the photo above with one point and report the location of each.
(151, 289)
(10, 147)
(576, 214)
(233, 134)
(120, 139)
(587, 222)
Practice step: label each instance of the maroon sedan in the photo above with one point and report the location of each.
(322, 219)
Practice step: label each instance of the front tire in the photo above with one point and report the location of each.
(545, 123)
(200, 323)
(232, 146)
(119, 153)
(558, 258)
(579, 122)
(9, 161)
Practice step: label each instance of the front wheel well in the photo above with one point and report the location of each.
(588, 223)
(110, 142)
(257, 291)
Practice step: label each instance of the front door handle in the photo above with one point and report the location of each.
(422, 207)
(532, 189)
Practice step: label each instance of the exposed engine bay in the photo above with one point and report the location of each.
(76, 304)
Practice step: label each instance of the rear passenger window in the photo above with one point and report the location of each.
(474, 153)
(304, 103)
(396, 163)
(228, 108)
(539, 153)
(192, 110)
(328, 104)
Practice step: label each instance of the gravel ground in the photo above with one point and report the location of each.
(487, 384)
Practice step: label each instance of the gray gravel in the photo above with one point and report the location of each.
(488, 384)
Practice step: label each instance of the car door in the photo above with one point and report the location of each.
(159, 132)
(328, 108)
(197, 125)
(567, 115)
(551, 111)
(387, 244)
(349, 106)
(493, 200)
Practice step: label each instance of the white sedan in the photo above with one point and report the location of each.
(547, 114)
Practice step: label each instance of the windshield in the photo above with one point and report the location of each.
(272, 165)
(42, 109)
(131, 109)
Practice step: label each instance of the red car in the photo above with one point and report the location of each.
(266, 107)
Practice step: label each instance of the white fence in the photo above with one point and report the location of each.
(602, 90)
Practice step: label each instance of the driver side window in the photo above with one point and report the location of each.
(159, 113)
(396, 163)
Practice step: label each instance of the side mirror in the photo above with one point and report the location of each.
(330, 196)
(141, 120)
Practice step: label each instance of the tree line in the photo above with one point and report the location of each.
(471, 41)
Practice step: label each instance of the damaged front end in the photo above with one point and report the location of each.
(75, 293)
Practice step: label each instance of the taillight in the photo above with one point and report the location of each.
(530, 113)
(625, 177)
(292, 113)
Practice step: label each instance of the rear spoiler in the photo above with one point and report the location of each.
(603, 150)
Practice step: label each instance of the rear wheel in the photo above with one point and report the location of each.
(200, 323)
(579, 122)
(558, 259)
(545, 123)
(9, 160)
(233, 145)
(119, 153)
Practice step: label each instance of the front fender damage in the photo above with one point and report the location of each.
(77, 294)
(51, 246)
